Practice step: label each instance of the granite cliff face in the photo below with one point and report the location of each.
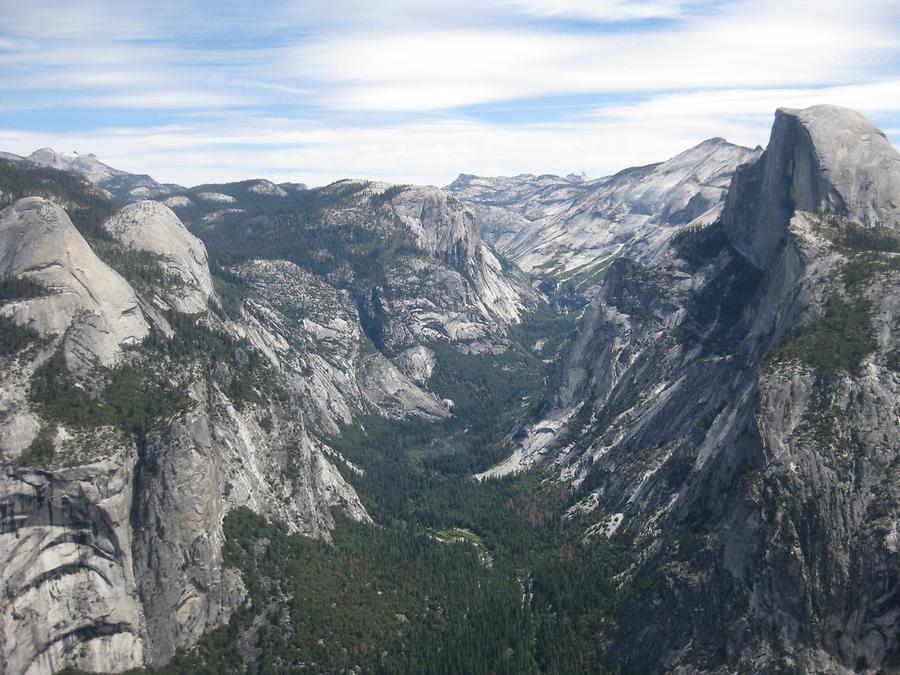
(89, 303)
(121, 459)
(411, 258)
(733, 408)
(152, 227)
(312, 330)
(726, 407)
(824, 160)
(446, 229)
(70, 592)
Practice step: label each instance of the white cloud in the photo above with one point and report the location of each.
(746, 113)
(435, 152)
(603, 10)
(761, 44)
(85, 19)
(373, 82)
(171, 99)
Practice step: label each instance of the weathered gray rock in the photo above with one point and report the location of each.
(267, 188)
(498, 226)
(435, 276)
(447, 230)
(87, 301)
(761, 492)
(123, 186)
(69, 590)
(396, 395)
(209, 460)
(116, 561)
(417, 363)
(311, 332)
(153, 227)
(573, 228)
(19, 425)
(113, 549)
(859, 164)
(823, 159)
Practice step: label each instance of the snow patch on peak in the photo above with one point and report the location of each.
(86, 165)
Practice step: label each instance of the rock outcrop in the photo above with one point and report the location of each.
(825, 160)
(728, 405)
(110, 529)
(121, 185)
(417, 363)
(70, 593)
(89, 303)
(207, 461)
(311, 331)
(153, 227)
(411, 257)
(447, 230)
(113, 526)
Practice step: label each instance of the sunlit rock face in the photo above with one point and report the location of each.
(111, 544)
(758, 486)
(824, 160)
(153, 227)
(572, 227)
(88, 302)
(118, 536)
(70, 594)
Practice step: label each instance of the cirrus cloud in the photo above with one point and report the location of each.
(417, 92)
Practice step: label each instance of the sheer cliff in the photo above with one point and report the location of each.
(733, 409)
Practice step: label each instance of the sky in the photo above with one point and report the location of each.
(420, 91)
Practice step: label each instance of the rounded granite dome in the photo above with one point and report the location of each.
(823, 159)
(153, 227)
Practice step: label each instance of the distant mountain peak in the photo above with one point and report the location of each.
(822, 159)
(121, 185)
(571, 226)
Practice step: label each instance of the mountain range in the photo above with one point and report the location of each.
(572, 228)
(641, 423)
